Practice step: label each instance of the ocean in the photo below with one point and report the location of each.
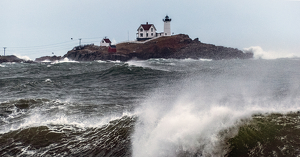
(151, 108)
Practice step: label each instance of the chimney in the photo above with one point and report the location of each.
(146, 23)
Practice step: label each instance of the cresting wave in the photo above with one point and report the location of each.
(24, 113)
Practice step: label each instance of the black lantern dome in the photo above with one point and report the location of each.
(167, 19)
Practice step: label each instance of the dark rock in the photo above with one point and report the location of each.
(48, 58)
(13, 58)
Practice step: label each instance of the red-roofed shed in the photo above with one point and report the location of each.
(105, 42)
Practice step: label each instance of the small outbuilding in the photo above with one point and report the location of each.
(105, 42)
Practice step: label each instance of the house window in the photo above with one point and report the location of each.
(102, 41)
(141, 29)
(151, 34)
(141, 35)
(151, 29)
(165, 33)
(146, 34)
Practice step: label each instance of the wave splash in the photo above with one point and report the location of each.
(183, 127)
(198, 119)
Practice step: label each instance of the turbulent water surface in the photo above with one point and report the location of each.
(152, 108)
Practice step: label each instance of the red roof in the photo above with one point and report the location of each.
(107, 40)
(147, 26)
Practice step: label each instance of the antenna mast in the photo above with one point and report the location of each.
(79, 41)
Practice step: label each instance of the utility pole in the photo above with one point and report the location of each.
(4, 50)
(79, 41)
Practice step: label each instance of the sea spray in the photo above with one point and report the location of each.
(259, 53)
(197, 117)
(182, 124)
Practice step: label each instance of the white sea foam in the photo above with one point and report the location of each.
(138, 63)
(38, 119)
(48, 80)
(46, 61)
(116, 61)
(101, 61)
(65, 60)
(149, 64)
(259, 53)
(206, 60)
(200, 59)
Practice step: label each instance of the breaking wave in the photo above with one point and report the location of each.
(216, 116)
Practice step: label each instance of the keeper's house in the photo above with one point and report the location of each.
(146, 31)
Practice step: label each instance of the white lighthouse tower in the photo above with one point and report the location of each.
(167, 27)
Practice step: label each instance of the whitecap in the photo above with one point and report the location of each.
(48, 80)
(206, 60)
(65, 60)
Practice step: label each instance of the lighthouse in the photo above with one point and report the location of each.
(167, 27)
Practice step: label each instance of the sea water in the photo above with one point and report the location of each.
(151, 108)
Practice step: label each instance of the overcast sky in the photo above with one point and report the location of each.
(36, 28)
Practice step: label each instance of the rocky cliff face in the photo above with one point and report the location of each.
(177, 46)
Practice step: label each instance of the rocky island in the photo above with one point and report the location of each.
(177, 46)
